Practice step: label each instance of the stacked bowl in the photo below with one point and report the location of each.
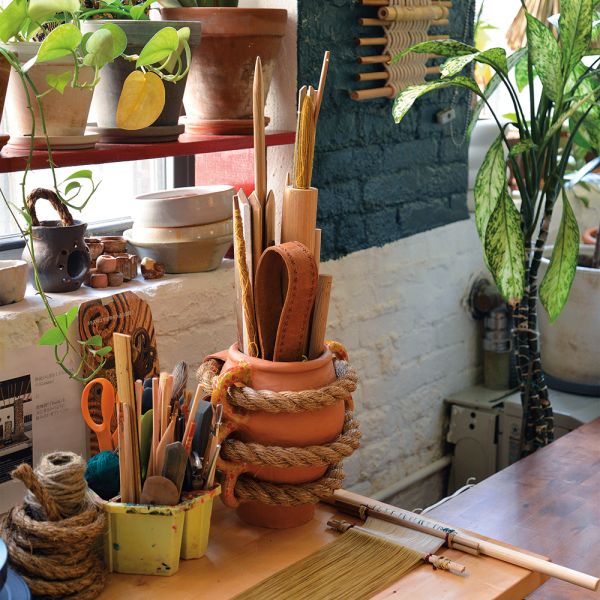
(187, 229)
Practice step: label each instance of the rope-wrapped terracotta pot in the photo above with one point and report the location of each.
(287, 427)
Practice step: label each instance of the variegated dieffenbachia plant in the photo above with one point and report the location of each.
(513, 240)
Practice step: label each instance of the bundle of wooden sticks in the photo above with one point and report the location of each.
(282, 300)
(154, 450)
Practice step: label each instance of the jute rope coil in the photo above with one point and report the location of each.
(56, 557)
(250, 489)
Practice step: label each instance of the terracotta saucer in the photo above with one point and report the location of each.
(222, 127)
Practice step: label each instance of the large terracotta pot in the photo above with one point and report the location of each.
(279, 429)
(65, 114)
(569, 348)
(4, 77)
(221, 76)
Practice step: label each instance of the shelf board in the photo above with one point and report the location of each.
(11, 161)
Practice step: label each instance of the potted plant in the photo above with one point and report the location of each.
(218, 97)
(133, 20)
(85, 55)
(513, 240)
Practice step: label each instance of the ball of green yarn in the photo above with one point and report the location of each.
(102, 474)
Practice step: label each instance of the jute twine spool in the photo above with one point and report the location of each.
(250, 489)
(51, 535)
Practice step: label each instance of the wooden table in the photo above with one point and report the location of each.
(549, 502)
(240, 555)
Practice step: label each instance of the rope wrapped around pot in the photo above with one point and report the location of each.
(55, 552)
(237, 452)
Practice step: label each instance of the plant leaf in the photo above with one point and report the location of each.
(504, 249)
(119, 38)
(554, 289)
(71, 314)
(521, 73)
(575, 25)
(85, 173)
(545, 55)
(73, 185)
(24, 214)
(447, 48)
(103, 351)
(52, 337)
(59, 82)
(183, 34)
(494, 57)
(492, 86)
(40, 10)
(61, 41)
(489, 184)
(405, 99)
(521, 146)
(142, 100)
(13, 19)
(99, 49)
(95, 340)
(159, 47)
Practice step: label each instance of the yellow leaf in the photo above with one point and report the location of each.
(141, 102)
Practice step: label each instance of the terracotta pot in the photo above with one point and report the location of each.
(66, 114)
(222, 72)
(280, 429)
(589, 235)
(113, 75)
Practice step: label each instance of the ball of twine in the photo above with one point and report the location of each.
(55, 555)
(62, 474)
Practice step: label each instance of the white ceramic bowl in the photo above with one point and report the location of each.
(186, 256)
(194, 233)
(181, 207)
(13, 281)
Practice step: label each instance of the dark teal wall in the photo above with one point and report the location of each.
(378, 181)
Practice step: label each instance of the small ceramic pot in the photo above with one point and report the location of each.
(589, 235)
(280, 429)
(62, 257)
(13, 281)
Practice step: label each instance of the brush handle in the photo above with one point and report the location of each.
(299, 216)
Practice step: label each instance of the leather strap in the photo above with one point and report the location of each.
(285, 289)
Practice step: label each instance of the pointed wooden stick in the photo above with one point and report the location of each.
(322, 85)
(258, 112)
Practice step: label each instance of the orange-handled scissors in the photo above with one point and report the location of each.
(107, 405)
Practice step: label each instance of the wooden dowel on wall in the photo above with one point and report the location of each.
(413, 13)
(383, 58)
(385, 75)
(382, 41)
(387, 3)
(379, 23)
(383, 92)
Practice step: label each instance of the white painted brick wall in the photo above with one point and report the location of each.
(396, 309)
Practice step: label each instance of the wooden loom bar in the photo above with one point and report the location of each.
(520, 559)
(372, 76)
(413, 13)
(383, 92)
(382, 41)
(387, 3)
(380, 23)
(383, 58)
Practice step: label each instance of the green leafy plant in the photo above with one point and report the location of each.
(513, 240)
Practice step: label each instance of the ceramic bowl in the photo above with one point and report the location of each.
(184, 257)
(182, 207)
(182, 234)
(13, 281)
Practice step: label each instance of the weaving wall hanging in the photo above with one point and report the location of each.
(405, 23)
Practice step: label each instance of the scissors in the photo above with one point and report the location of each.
(107, 405)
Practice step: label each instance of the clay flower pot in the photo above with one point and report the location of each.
(65, 114)
(218, 96)
(4, 77)
(108, 90)
(589, 235)
(283, 429)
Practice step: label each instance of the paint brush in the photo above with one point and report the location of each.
(180, 378)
